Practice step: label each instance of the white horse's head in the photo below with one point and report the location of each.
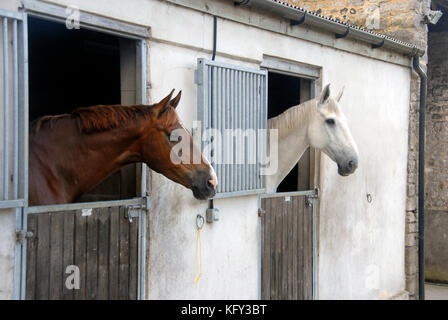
(328, 131)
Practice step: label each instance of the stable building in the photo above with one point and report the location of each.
(320, 236)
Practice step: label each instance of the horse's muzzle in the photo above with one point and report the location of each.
(204, 185)
(348, 168)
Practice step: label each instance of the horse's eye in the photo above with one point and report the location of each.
(173, 136)
(330, 122)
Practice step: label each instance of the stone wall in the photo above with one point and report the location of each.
(401, 19)
(397, 18)
(436, 166)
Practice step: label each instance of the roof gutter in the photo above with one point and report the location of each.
(341, 30)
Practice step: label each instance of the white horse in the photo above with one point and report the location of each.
(318, 123)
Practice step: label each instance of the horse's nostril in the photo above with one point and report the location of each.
(213, 181)
(352, 164)
(211, 184)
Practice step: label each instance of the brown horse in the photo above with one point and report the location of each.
(70, 154)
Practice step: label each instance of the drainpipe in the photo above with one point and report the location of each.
(211, 204)
(421, 175)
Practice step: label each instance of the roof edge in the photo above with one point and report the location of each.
(299, 15)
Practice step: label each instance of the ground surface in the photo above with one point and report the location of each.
(436, 291)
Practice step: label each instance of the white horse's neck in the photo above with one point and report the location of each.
(292, 126)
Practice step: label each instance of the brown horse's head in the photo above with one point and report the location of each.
(168, 149)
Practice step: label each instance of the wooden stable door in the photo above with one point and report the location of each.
(287, 249)
(103, 247)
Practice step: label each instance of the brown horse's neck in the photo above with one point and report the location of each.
(86, 160)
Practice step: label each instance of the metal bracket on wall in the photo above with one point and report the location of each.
(342, 35)
(309, 198)
(133, 211)
(298, 22)
(22, 235)
(379, 45)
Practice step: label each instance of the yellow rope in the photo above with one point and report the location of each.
(198, 255)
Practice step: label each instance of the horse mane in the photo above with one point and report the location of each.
(97, 118)
(289, 119)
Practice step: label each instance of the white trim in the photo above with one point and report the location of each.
(292, 68)
(87, 20)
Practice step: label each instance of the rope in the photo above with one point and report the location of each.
(198, 255)
(199, 225)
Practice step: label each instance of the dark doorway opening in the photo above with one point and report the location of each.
(70, 68)
(284, 92)
(80, 68)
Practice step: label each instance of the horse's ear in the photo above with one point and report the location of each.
(325, 94)
(160, 106)
(340, 94)
(176, 100)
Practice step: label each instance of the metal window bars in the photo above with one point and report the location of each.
(13, 114)
(232, 100)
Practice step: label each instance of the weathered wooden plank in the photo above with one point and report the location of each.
(92, 256)
(56, 247)
(278, 231)
(114, 252)
(43, 262)
(80, 253)
(269, 236)
(264, 252)
(104, 217)
(295, 253)
(265, 263)
(290, 253)
(68, 255)
(308, 252)
(31, 259)
(284, 252)
(123, 282)
(300, 244)
(272, 253)
(133, 259)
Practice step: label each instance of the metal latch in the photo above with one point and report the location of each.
(309, 198)
(261, 212)
(22, 235)
(133, 212)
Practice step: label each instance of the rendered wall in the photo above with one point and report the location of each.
(7, 245)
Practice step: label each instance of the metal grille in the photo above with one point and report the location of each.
(13, 113)
(232, 100)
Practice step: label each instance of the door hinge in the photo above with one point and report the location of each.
(22, 235)
(261, 212)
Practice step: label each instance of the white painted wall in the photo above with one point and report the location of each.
(7, 245)
(361, 245)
